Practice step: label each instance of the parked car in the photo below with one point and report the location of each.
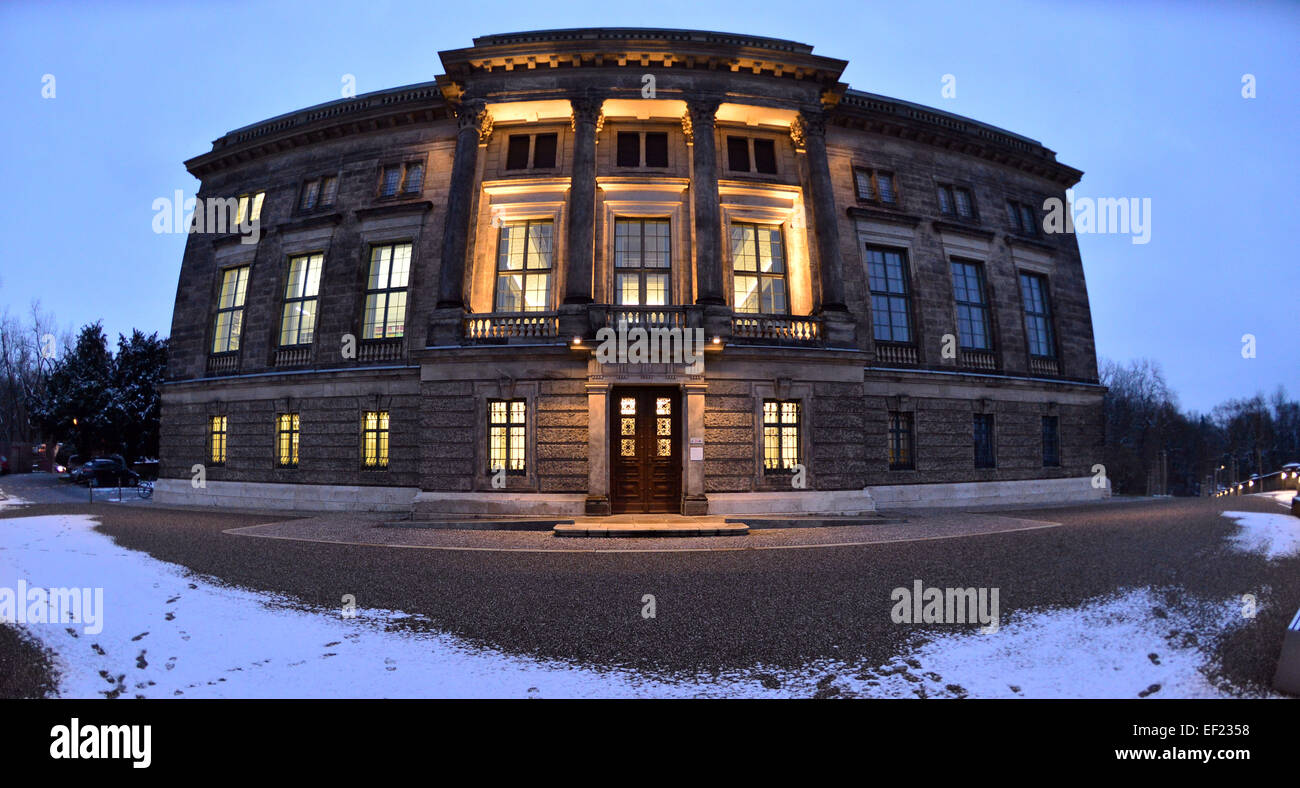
(105, 472)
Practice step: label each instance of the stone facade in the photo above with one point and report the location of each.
(586, 95)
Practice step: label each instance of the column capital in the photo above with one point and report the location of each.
(808, 123)
(702, 111)
(473, 114)
(586, 110)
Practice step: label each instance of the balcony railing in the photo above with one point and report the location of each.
(1040, 365)
(503, 327)
(647, 317)
(977, 359)
(292, 356)
(763, 329)
(223, 364)
(895, 354)
(379, 350)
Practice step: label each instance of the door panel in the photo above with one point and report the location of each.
(646, 462)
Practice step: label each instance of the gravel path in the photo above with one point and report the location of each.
(726, 610)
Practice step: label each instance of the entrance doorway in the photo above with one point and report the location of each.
(645, 450)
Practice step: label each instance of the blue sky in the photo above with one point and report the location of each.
(1144, 97)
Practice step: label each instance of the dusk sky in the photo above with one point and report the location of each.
(1145, 98)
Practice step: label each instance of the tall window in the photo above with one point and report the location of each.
(230, 310)
(507, 431)
(781, 423)
(524, 266)
(217, 440)
(1051, 441)
(250, 207)
(385, 309)
(286, 440)
(641, 262)
(642, 149)
(972, 307)
(901, 457)
(758, 257)
(298, 321)
(531, 151)
(891, 309)
(374, 439)
(1038, 316)
(983, 425)
(875, 186)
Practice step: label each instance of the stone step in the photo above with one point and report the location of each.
(650, 529)
(480, 524)
(811, 521)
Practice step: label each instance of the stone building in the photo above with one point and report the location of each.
(613, 270)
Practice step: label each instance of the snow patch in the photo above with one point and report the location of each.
(171, 633)
(1273, 535)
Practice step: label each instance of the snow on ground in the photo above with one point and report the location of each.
(1128, 645)
(10, 500)
(1283, 497)
(170, 633)
(1274, 535)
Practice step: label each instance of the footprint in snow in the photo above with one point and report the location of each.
(137, 637)
(98, 650)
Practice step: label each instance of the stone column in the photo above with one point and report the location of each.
(597, 449)
(694, 501)
(809, 135)
(704, 187)
(580, 245)
(474, 125)
(810, 130)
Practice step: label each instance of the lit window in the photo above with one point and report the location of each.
(781, 423)
(385, 309)
(972, 307)
(374, 439)
(250, 208)
(217, 440)
(641, 262)
(901, 440)
(286, 440)
(230, 310)
(758, 260)
(891, 306)
(983, 429)
(298, 321)
(524, 267)
(507, 431)
(1038, 316)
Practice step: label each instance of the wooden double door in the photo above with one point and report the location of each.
(645, 450)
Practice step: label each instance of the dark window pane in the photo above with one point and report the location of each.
(1028, 219)
(629, 149)
(983, 428)
(738, 154)
(1051, 441)
(544, 151)
(414, 177)
(885, 181)
(765, 156)
(656, 149)
(945, 200)
(517, 152)
(1013, 216)
(963, 203)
